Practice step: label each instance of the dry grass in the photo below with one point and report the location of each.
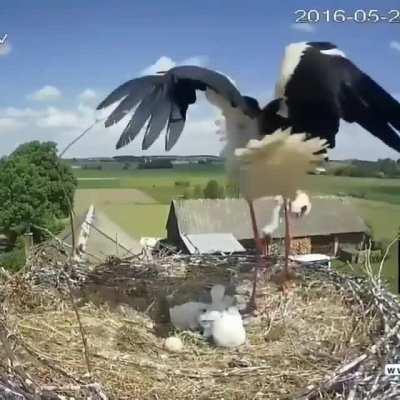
(296, 342)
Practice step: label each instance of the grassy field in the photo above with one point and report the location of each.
(158, 183)
(138, 199)
(134, 210)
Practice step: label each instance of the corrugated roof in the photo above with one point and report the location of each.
(329, 215)
(210, 243)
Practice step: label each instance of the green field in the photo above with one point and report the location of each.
(143, 211)
(158, 183)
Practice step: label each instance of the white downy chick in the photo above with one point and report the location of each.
(185, 316)
(220, 301)
(206, 319)
(228, 330)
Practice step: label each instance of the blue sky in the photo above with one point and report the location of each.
(62, 57)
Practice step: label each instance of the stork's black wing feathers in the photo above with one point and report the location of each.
(163, 101)
(174, 128)
(325, 88)
(207, 78)
(141, 115)
(374, 109)
(142, 84)
(159, 116)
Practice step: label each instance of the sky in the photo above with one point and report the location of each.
(61, 58)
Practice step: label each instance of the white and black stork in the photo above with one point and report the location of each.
(317, 87)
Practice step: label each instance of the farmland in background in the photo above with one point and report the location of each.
(142, 210)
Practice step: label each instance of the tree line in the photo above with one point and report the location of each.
(212, 190)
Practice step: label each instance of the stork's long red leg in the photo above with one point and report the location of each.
(260, 248)
(287, 235)
(288, 240)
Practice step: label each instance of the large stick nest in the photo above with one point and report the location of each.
(330, 339)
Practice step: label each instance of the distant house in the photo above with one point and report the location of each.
(200, 225)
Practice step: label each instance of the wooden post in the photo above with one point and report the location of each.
(28, 242)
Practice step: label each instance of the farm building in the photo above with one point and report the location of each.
(98, 237)
(224, 225)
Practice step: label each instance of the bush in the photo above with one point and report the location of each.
(211, 191)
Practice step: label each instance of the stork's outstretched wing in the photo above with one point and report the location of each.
(163, 100)
(319, 86)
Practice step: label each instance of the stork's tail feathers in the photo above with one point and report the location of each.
(313, 150)
(277, 163)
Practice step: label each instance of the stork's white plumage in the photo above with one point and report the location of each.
(277, 164)
(235, 127)
(270, 228)
(301, 205)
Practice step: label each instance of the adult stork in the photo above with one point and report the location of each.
(317, 87)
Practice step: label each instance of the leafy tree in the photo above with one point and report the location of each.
(35, 188)
(211, 191)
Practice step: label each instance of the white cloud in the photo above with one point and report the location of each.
(8, 125)
(88, 96)
(303, 27)
(395, 45)
(5, 48)
(62, 125)
(165, 63)
(19, 112)
(46, 93)
(56, 118)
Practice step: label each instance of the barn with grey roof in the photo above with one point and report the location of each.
(224, 225)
